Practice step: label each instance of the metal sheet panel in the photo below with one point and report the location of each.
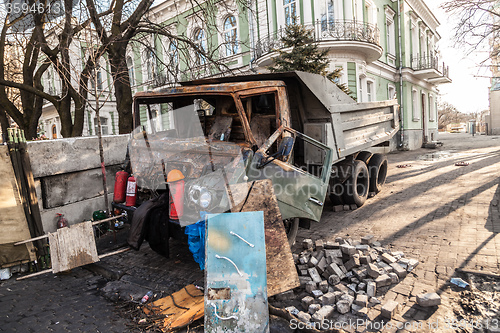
(236, 282)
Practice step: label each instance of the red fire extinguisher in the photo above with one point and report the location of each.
(61, 222)
(176, 185)
(120, 186)
(131, 191)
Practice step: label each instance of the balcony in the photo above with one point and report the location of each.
(428, 68)
(340, 36)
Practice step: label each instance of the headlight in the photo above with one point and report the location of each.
(205, 199)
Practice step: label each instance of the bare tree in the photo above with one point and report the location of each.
(478, 23)
(448, 114)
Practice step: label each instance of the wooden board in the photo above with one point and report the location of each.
(180, 309)
(235, 271)
(259, 196)
(12, 219)
(72, 247)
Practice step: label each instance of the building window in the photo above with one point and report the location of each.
(391, 92)
(230, 36)
(391, 37)
(99, 81)
(290, 8)
(361, 90)
(414, 102)
(131, 74)
(150, 65)
(432, 110)
(327, 15)
(104, 126)
(173, 56)
(201, 41)
(54, 132)
(370, 91)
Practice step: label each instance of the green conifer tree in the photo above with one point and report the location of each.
(304, 55)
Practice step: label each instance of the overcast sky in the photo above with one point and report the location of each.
(469, 90)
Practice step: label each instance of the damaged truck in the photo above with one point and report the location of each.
(201, 140)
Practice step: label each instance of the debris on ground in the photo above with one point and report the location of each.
(402, 166)
(461, 164)
(347, 280)
(459, 282)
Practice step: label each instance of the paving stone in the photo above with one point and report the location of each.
(313, 308)
(371, 288)
(399, 270)
(303, 316)
(306, 301)
(352, 263)
(312, 262)
(353, 206)
(303, 280)
(313, 273)
(394, 278)
(346, 207)
(388, 258)
(285, 296)
(373, 271)
(317, 293)
(310, 286)
(365, 260)
(319, 245)
(389, 309)
(335, 269)
(332, 245)
(383, 280)
(343, 306)
(429, 299)
(328, 298)
(323, 286)
(368, 239)
(293, 310)
(412, 264)
(361, 300)
(338, 208)
(348, 249)
(324, 313)
(308, 244)
(322, 264)
(333, 279)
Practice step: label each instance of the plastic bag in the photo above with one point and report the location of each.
(196, 241)
(5, 273)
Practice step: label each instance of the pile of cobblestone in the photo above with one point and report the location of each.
(344, 276)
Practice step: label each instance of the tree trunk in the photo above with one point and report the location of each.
(4, 122)
(123, 92)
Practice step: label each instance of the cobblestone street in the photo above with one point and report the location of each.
(444, 215)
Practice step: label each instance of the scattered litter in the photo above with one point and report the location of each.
(402, 166)
(5, 273)
(146, 297)
(461, 164)
(459, 282)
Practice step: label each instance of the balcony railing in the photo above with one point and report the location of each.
(430, 61)
(324, 31)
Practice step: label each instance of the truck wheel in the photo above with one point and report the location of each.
(291, 229)
(378, 172)
(364, 156)
(357, 185)
(336, 194)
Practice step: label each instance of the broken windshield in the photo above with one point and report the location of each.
(195, 144)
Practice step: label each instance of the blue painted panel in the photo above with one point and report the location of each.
(236, 280)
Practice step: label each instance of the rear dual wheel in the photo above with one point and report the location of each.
(357, 186)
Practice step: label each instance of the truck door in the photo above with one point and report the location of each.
(299, 168)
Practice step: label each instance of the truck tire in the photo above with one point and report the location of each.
(357, 185)
(378, 172)
(291, 229)
(364, 156)
(336, 194)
